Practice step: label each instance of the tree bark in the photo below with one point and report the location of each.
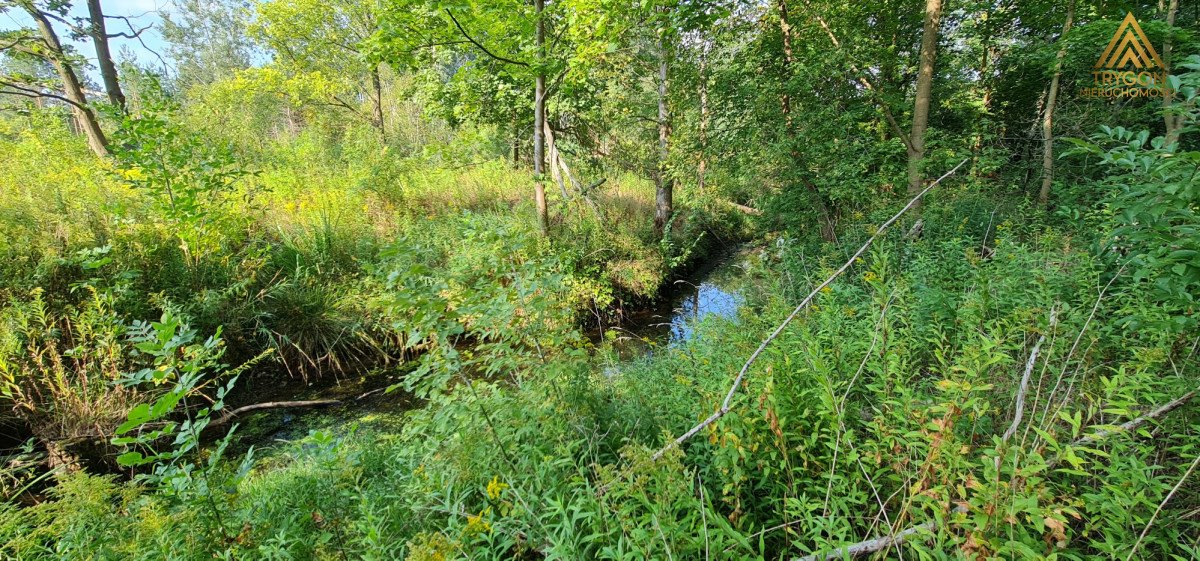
(916, 139)
(702, 167)
(1048, 115)
(785, 30)
(377, 85)
(108, 70)
(539, 121)
(663, 183)
(72, 89)
(1174, 123)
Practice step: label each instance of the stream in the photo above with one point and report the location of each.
(716, 288)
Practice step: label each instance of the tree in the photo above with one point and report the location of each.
(327, 38)
(43, 42)
(108, 71)
(539, 120)
(916, 139)
(1172, 120)
(1048, 114)
(207, 39)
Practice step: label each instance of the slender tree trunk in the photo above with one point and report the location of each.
(539, 121)
(985, 84)
(916, 139)
(104, 60)
(702, 168)
(377, 85)
(1173, 122)
(1048, 115)
(823, 213)
(785, 30)
(71, 86)
(664, 184)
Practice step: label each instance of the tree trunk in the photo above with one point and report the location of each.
(916, 139)
(71, 86)
(1048, 115)
(539, 121)
(785, 30)
(377, 85)
(823, 213)
(702, 168)
(1174, 123)
(663, 183)
(108, 70)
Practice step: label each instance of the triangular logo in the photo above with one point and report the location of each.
(1129, 46)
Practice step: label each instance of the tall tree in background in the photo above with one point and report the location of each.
(664, 183)
(207, 39)
(43, 42)
(916, 139)
(1172, 121)
(104, 60)
(327, 38)
(1048, 113)
(539, 120)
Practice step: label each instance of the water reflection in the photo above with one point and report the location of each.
(700, 301)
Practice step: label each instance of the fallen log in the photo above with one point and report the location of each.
(229, 415)
(746, 209)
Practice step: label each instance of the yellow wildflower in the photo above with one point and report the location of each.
(477, 525)
(495, 487)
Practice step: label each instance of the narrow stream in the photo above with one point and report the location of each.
(714, 289)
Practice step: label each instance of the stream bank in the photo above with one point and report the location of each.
(717, 287)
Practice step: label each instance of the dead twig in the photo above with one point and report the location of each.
(1024, 388)
(725, 404)
(882, 542)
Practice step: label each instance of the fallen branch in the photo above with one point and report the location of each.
(803, 304)
(877, 544)
(1024, 388)
(271, 405)
(871, 546)
(1134, 424)
(746, 209)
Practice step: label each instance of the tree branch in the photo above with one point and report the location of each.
(877, 544)
(27, 91)
(480, 45)
(270, 405)
(725, 405)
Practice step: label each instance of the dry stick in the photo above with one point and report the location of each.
(1134, 424)
(753, 357)
(871, 546)
(1160, 507)
(1029, 364)
(877, 544)
(841, 406)
(270, 405)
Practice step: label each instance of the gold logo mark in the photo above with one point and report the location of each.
(1129, 46)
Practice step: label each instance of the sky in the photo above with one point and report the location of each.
(140, 12)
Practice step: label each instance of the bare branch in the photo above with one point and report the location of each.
(480, 45)
(270, 405)
(803, 304)
(24, 90)
(1024, 387)
(877, 544)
